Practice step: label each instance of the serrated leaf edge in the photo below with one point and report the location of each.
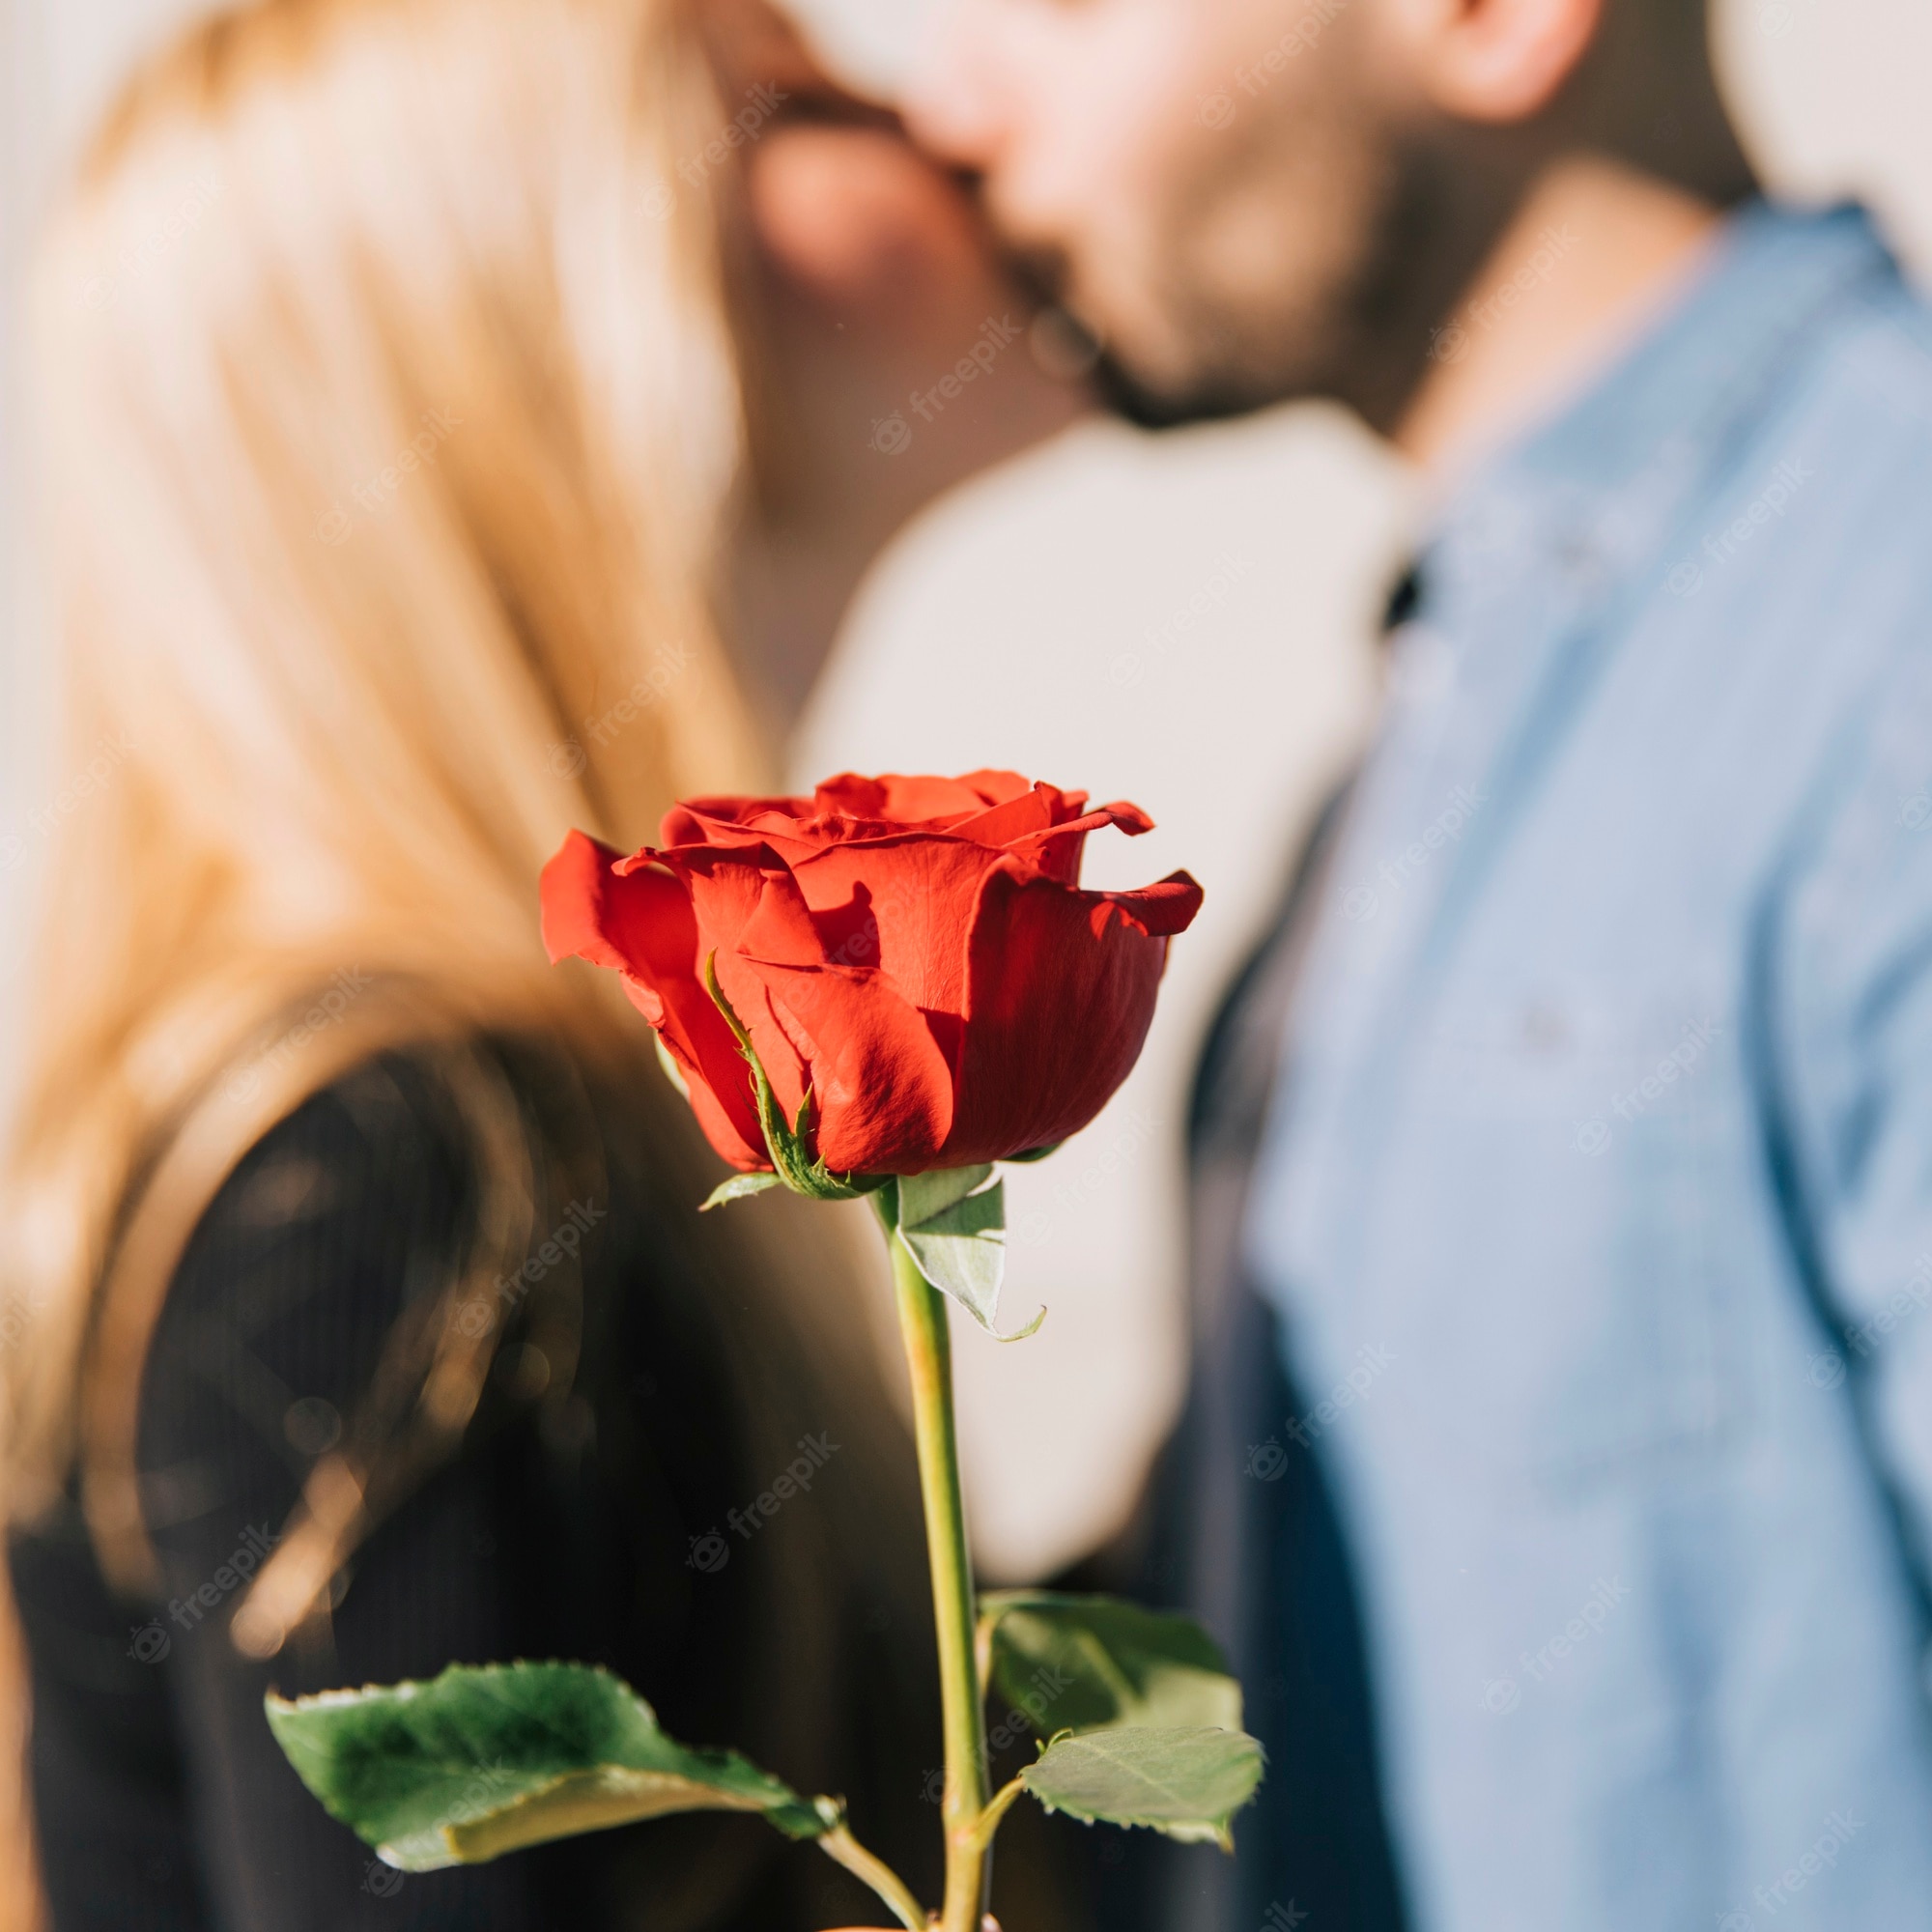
(1204, 1831)
(795, 1816)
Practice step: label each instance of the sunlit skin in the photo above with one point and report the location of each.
(1251, 200)
(870, 272)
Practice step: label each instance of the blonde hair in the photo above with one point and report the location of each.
(390, 423)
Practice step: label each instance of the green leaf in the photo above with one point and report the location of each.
(737, 1189)
(485, 1760)
(1086, 1664)
(1185, 1783)
(954, 1227)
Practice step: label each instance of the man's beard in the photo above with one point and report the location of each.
(1352, 326)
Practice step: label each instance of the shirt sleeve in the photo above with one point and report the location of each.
(272, 1328)
(1849, 990)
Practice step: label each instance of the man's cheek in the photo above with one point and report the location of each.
(1114, 96)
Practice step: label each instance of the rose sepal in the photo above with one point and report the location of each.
(953, 1227)
(788, 1142)
(737, 1189)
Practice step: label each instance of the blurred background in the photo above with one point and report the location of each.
(1084, 614)
(1093, 604)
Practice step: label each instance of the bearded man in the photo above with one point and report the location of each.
(1559, 1465)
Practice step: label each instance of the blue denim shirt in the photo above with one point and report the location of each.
(1597, 1197)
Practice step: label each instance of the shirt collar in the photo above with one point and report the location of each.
(1599, 483)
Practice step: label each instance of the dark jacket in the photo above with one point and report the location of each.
(584, 1517)
(1241, 1532)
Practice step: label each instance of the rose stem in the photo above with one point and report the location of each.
(929, 1357)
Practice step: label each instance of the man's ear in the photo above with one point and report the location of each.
(1495, 61)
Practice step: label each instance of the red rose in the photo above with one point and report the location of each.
(917, 951)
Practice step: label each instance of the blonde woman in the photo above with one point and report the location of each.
(360, 1322)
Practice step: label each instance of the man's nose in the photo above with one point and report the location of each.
(953, 101)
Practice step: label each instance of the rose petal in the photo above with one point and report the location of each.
(995, 787)
(711, 821)
(900, 905)
(1058, 850)
(743, 1146)
(1061, 992)
(1168, 906)
(746, 901)
(639, 920)
(882, 1090)
(904, 801)
(746, 898)
(998, 825)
